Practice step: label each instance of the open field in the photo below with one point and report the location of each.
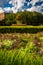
(21, 49)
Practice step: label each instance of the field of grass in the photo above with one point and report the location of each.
(21, 43)
(21, 49)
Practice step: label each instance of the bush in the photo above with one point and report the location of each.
(20, 29)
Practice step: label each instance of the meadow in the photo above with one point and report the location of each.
(21, 49)
(21, 39)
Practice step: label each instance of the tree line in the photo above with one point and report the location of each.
(28, 18)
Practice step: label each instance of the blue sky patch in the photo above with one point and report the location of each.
(24, 4)
(7, 5)
(28, 0)
(38, 3)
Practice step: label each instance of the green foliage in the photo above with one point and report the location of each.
(28, 18)
(20, 29)
(21, 56)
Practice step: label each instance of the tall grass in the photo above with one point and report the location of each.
(20, 57)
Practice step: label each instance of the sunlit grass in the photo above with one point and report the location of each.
(21, 26)
(22, 55)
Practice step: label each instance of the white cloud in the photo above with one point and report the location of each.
(38, 8)
(14, 10)
(7, 9)
(22, 10)
(10, 2)
(1, 10)
(18, 4)
(41, 4)
(33, 2)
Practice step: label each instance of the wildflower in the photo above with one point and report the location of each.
(40, 52)
(14, 46)
(37, 42)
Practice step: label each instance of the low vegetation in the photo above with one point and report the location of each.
(20, 29)
(21, 49)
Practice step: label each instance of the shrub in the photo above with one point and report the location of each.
(20, 29)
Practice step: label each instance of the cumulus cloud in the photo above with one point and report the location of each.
(10, 2)
(33, 2)
(34, 9)
(1, 10)
(14, 10)
(21, 5)
(8, 9)
(18, 3)
(41, 4)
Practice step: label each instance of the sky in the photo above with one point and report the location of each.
(21, 5)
